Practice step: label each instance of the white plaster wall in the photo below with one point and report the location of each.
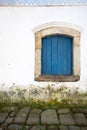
(17, 41)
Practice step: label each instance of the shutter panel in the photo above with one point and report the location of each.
(57, 55)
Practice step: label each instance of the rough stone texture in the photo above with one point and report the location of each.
(60, 30)
(77, 40)
(42, 127)
(39, 127)
(57, 30)
(36, 111)
(66, 119)
(27, 127)
(13, 114)
(83, 110)
(18, 127)
(76, 57)
(84, 128)
(63, 111)
(57, 78)
(74, 128)
(9, 120)
(80, 119)
(34, 117)
(52, 128)
(35, 128)
(4, 125)
(14, 127)
(63, 128)
(49, 117)
(22, 115)
(37, 62)
(38, 40)
(9, 109)
(1, 129)
(49, 120)
(3, 117)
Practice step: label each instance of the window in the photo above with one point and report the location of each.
(57, 54)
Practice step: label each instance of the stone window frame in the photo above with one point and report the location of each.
(57, 29)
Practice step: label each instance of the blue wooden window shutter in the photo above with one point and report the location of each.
(57, 55)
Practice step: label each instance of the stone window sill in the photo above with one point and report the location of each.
(55, 78)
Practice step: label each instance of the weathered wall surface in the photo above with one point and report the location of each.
(17, 39)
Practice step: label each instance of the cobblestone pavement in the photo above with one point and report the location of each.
(47, 119)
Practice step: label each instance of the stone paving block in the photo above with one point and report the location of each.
(27, 127)
(66, 119)
(4, 125)
(35, 128)
(80, 119)
(36, 111)
(9, 120)
(13, 114)
(42, 127)
(34, 117)
(3, 117)
(74, 128)
(1, 128)
(52, 128)
(22, 115)
(63, 111)
(14, 127)
(80, 110)
(49, 117)
(84, 128)
(18, 127)
(63, 128)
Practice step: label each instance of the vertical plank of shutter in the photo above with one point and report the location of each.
(48, 55)
(44, 56)
(54, 55)
(69, 56)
